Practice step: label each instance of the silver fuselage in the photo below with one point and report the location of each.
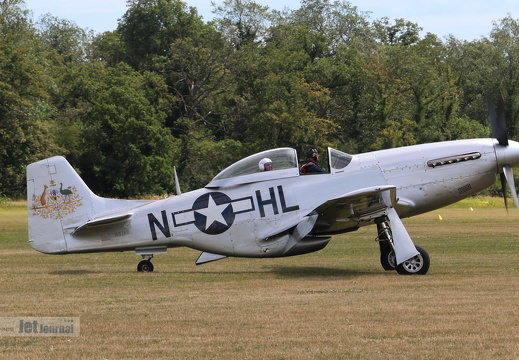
(426, 177)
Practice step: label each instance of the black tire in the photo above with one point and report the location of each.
(387, 257)
(418, 265)
(145, 266)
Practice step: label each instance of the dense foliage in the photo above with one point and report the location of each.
(167, 89)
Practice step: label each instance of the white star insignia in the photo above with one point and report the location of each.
(213, 213)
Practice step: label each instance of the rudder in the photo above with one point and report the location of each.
(57, 198)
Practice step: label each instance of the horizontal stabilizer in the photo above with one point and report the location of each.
(103, 220)
(206, 257)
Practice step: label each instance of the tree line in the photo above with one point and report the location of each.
(166, 89)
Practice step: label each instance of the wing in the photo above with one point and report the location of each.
(342, 214)
(352, 210)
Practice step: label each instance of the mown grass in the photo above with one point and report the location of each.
(334, 304)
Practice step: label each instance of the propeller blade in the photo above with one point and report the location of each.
(509, 175)
(503, 189)
(498, 121)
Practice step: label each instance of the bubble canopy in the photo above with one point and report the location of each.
(284, 164)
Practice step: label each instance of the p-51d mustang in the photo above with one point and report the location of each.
(244, 212)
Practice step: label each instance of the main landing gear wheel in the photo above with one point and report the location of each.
(387, 257)
(418, 265)
(145, 266)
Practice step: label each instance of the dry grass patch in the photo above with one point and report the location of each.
(334, 304)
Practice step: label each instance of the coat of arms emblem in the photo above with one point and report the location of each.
(55, 201)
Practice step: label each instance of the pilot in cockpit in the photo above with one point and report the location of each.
(311, 166)
(265, 164)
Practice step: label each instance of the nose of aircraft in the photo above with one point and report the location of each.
(507, 155)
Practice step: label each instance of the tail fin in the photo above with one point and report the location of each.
(57, 198)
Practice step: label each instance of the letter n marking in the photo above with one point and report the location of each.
(164, 227)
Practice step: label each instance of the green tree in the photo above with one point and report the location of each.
(202, 91)
(274, 105)
(204, 156)
(198, 78)
(242, 22)
(474, 64)
(25, 128)
(416, 86)
(339, 21)
(109, 48)
(149, 27)
(289, 115)
(401, 32)
(69, 41)
(119, 140)
(505, 40)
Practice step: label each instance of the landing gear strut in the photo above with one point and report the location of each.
(417, 265)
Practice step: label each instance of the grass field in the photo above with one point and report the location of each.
(334, 304)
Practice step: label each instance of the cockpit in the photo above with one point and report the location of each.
(284, 164)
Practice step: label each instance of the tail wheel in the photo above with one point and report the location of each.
(145, 266)
(418, 265)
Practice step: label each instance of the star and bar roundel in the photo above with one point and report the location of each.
(213, 213)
